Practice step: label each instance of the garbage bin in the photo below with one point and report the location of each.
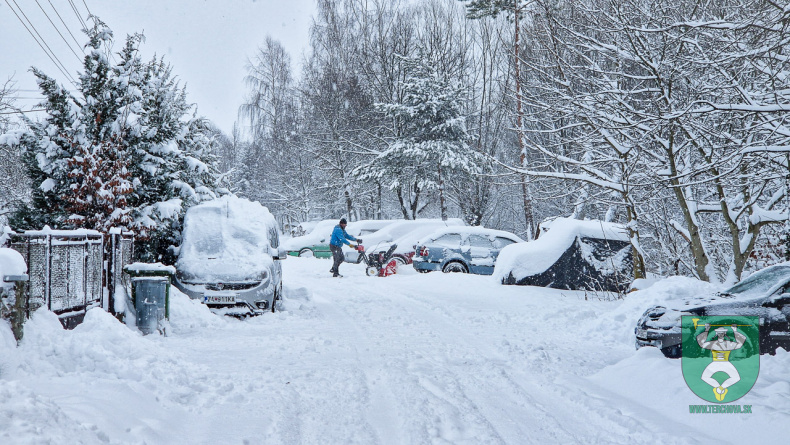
(150, 295)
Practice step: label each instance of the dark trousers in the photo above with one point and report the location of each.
(337, 255)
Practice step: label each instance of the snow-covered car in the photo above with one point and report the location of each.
(765, 294)
(570, 254)
(462, 249)
(316, 243)
(404, 233)
(229, 257)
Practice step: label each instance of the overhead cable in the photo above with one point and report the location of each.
(58, 30)
(44, 47)
(68, 28)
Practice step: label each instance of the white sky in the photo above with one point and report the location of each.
(206, 41)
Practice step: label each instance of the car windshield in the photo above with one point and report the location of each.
(761, 282)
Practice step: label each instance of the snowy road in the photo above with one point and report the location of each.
(408, 359)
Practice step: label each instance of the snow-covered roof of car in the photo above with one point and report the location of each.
(320, 233)
(465, 231)
(534, 257)
(226, 239)
(405, 233)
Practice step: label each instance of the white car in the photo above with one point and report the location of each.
(229, 257)
(404, 233)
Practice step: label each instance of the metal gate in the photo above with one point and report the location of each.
(66, 269)
(121, 253)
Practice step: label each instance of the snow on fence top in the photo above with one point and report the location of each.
(11, 263)
(534, 257)
(226, 239)
(76, 233)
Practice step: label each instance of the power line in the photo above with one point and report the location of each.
(58, 30)
(86, 7)
(76, 12)
(66, 26)
(59, 65)
(65, 70)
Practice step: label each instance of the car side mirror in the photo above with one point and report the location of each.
(280, 253)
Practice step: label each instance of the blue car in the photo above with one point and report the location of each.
(462, 249)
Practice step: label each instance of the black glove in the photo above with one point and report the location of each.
(359, 240)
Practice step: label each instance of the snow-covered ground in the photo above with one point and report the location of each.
(408, 359)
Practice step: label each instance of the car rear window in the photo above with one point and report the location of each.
(500, 242)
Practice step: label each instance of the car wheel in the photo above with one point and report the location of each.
(306, 253)
(454, 266)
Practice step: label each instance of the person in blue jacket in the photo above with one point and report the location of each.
(339, 237)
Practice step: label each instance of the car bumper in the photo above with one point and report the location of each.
(670, 344)
(259, 297)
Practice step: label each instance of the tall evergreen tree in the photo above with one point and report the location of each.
(432, 141)
(122, 151)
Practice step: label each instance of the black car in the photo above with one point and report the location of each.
(765, 294)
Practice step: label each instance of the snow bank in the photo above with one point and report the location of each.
(534, 257)
(226, 239)
(11, 263)
(667, 292)
(188, 315)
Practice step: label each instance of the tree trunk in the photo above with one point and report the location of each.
(694, 237)
(528, 218)
(441, 195)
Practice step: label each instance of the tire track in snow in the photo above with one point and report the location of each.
(447, 400)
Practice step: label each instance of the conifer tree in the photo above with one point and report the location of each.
(123, 150)
(432, 140)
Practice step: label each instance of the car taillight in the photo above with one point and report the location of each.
(423, 251)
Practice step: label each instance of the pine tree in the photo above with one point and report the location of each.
(432, 140)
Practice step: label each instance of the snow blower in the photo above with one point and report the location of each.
(379, 264)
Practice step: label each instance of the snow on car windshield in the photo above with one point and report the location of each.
(225, 240)
(760, 283)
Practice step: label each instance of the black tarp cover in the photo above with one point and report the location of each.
(593, 264)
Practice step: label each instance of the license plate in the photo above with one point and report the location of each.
(219, 299)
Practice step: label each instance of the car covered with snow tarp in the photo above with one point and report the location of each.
(570, 254)
(462, 249)
(229, 256)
